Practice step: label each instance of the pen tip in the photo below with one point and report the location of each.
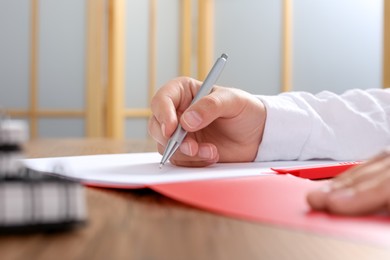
(161, 165)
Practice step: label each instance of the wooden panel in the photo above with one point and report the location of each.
(138, 112)
(205, 37)
(34, 68)
(115, 89)
(34, 113)
(152, 48)
(95, 68)
(185, 37)
(46, 113)
(286, 80)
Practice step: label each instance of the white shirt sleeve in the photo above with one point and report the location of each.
(302, 126)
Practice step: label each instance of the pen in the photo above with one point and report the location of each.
(179, 134)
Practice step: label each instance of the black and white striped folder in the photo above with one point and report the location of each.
(31, 200)
(41, 202)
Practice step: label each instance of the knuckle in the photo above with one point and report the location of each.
(184, 79)
(211, 103)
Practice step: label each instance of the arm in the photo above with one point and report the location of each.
(301, 126)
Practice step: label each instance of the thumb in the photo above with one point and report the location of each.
(221, 103)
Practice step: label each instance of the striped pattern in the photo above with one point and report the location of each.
(105, 111)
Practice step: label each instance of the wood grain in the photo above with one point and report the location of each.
(34, 48)
(116, 69)
(287, 48)
(141, 224)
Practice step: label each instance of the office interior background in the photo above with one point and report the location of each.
(89, 68)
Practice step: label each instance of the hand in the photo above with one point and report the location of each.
(361, 190)
(225, 126)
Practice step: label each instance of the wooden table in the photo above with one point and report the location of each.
(142, 224)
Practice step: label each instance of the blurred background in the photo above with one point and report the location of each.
(88, 68)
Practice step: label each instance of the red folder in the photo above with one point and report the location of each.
(317, 171)
(278, 200)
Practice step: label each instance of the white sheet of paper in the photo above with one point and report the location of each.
(142, 169)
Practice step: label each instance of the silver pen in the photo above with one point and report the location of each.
(179, 134)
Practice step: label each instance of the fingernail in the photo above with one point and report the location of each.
(185, 148)
(343, 194)
(205, 153)
(192, 119)
(163, 129)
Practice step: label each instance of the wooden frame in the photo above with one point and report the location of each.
(205, 37)
(185, 37)
(286, 66)
(33, 113)
(47, 113)
(108, 119)
(137, 112)
(116, 111)
(34, 46)
(205, 50)
(95, 68)
(152, 48)
(116, 61)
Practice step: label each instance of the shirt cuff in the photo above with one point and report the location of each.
(287, 128)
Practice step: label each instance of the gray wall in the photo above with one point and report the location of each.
(249, 32)
(61, 64)
(61, 61)
(14, 53)
(337, 45)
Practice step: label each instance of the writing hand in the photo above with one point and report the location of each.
(225, 126)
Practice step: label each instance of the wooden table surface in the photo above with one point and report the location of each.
(142, 224)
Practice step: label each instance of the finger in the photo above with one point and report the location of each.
(189, 147)
(203, 151)
(362, 172)
(360, 190)
(199, 152)
(202, 154)
(156, 131)
(317, 198)
(197, 161)
(367, 197)
(171, 100)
